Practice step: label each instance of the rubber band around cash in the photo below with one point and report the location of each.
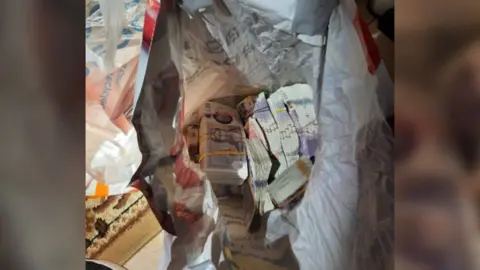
(220, 153)
(279, 110)
(282, 109)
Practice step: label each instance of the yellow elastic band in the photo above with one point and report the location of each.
(282, 109)
(279, 110)
(219, 153)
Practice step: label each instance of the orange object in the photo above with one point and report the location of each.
(101, 190)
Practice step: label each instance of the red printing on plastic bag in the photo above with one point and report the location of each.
(151, 14)
(370, 48)
(185, 214)
(185, 177)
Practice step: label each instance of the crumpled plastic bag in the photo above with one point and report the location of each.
(113, 41)
(229, 49)
(345, 220)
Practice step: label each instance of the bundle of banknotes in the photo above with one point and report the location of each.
(282, 140)
(283, 191)
(268, 139)
(222, 151)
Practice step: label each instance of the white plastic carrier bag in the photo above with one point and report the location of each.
(229, 49)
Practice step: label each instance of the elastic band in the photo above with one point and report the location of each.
(283, 109)
(279, 110)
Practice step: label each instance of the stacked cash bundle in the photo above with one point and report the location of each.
(268, 139)
(260, 166)
(299, 100)
(223, 155)
(264, 117)
(289, 138)
(284, 126)
(212, 108)
(286, 122)
(286, 186)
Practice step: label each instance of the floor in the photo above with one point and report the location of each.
(148, 257)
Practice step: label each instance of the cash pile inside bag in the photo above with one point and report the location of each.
(263, 136)
(222, 145)
(282, 131)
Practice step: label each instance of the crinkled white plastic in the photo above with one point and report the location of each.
(308, 19)
(340, 223)
(113, 39)
(336, 224)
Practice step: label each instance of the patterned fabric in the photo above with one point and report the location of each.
(107, 218)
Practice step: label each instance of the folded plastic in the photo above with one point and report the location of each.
(113, 39)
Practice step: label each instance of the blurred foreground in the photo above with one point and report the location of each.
(437, 105)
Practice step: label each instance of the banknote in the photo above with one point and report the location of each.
(260, 165)
(254, 131)
(299, 100)
(267, 123)
(290, 181)
(216, 110)
(307, 134)
(222, 151)
(219, 139)
(288, 133)
(222, 112)
(246, 106)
